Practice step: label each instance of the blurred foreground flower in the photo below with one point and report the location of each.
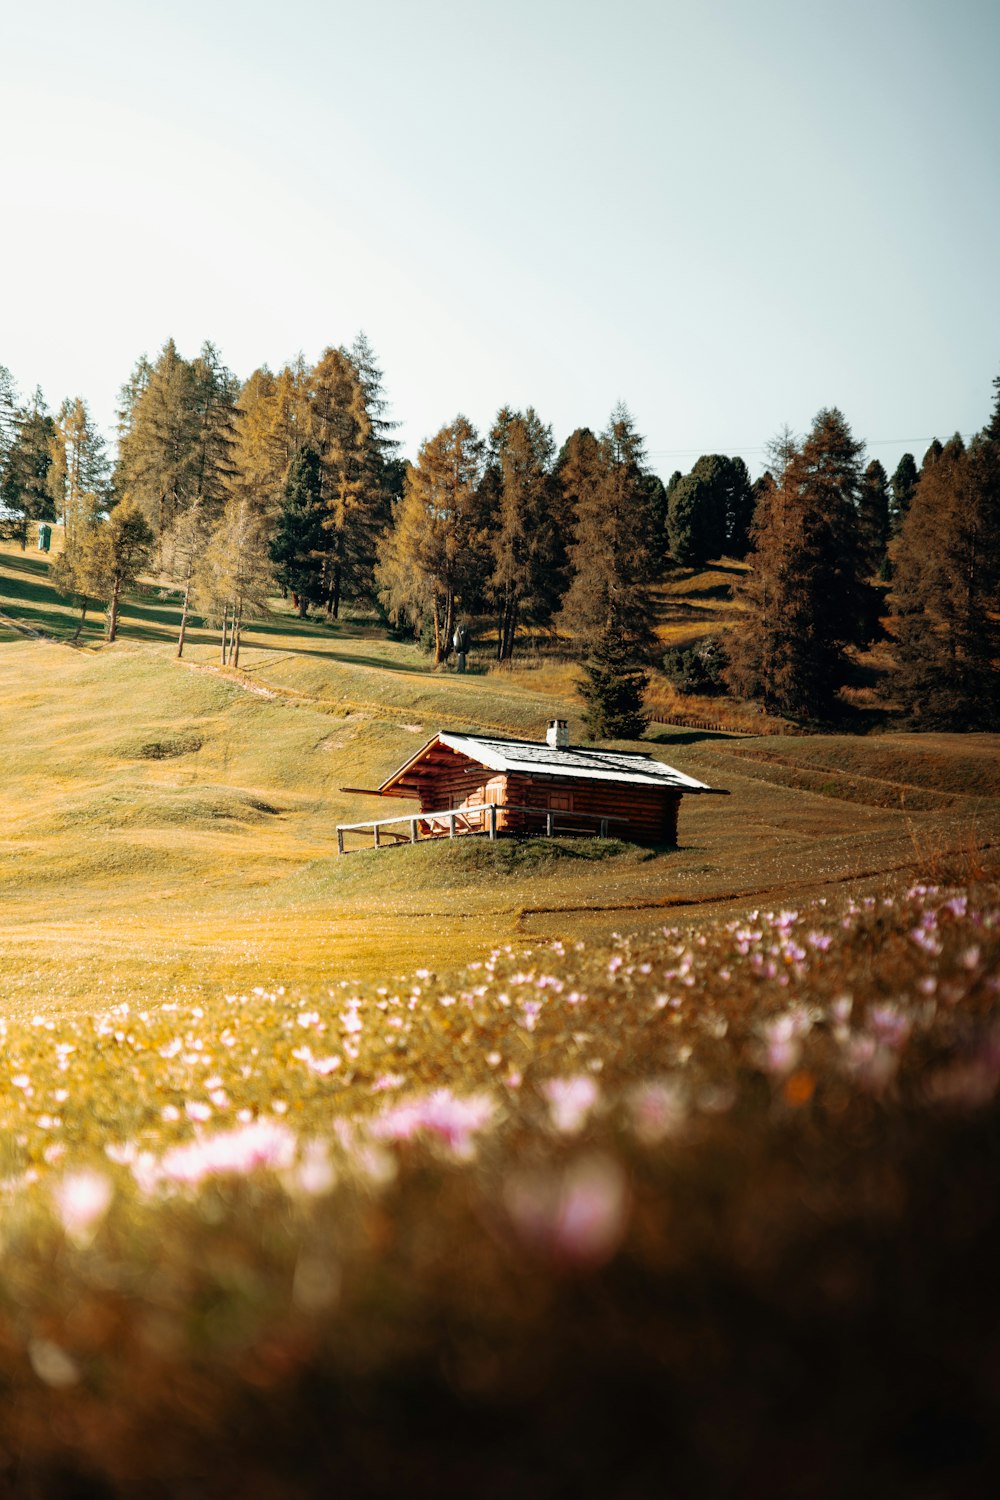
(570, 1101)
(82, 1199)
(577, 1214)
(441, 1114)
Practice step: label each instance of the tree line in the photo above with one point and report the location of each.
(294, 479)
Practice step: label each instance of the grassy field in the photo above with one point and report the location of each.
(556, 1209)
(167, 823)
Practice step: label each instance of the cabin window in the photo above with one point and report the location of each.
(560, 801)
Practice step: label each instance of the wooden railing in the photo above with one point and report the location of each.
(459, 821)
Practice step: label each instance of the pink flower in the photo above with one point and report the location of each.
(82, 1199)
(657, 1109)
(452, 1121)
(570, 1102)
(577, 1215)
(264, 1144)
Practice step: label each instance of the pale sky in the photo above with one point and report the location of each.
(727, 214)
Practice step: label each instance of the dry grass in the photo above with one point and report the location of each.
(742, 1162)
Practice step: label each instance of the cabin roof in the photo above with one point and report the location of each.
(632, 767)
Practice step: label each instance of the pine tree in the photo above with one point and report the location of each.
(873, 516)
(24, 483)
(434, 556)
(945, 591)
(298, 545)
(803, 601)
(903, 484)
(613, 687)
(709, 511)
(689, 523)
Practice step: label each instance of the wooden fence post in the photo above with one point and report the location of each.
(550, 824)
(604, 828)
(493, 820)
(340, 841)
(414, 835)
(378, 840)
(451, 825)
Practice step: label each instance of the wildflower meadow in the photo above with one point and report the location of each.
(622, 1215)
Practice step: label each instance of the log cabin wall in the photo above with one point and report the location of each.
(648, 814)
(644, 814)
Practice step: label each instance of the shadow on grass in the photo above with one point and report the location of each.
(689, 736)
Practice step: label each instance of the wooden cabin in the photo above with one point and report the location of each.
(478, 784)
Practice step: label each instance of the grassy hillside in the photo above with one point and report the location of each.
(706, 1209)
(170, 824)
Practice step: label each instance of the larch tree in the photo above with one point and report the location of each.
(613, 555)
(526, 550)
(946, 588)
(158, 447)
(435, 551)
(803, 602)
(234, 576)
(78, 473)
(357, 506)
(115, 553)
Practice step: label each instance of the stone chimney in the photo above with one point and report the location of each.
(557, 734)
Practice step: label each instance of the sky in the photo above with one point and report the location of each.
(727, 215)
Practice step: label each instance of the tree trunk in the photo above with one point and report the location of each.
(237, 632)
(184, 619)
(83, 616)
(449, 623)
(335, 606)
(437, 635)
(225, 627)
(112, 628)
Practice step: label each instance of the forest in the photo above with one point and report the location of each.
(294, 481)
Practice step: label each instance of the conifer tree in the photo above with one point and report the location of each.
(158, 441)
(945, 591)
(298, 545)
(433, 557)
(115, 552)
(802, 598)
(357, 505)
(932, 455)
(577, 474)
(903, 484)
(873, 516)
(24, 483)
(613, 687)
(272, 426)
(614, 561)
(234, 575)
(78, 473)
(612, 556)
(8, 417)
(527, 553)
